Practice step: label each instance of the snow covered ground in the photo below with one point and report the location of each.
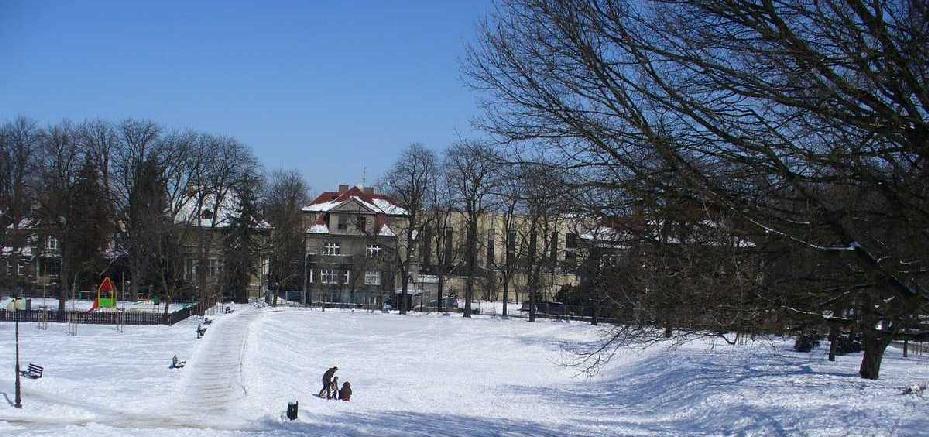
(427, 374)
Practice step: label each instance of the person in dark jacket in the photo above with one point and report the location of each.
(346, 393)
(327, 383)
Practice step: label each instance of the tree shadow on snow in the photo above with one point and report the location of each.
(418, 424)
(710, 392)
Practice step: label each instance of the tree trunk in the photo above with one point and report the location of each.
(873, 343)
(506, 293)
(833, 338)
(441, 290)
(403, 289)
(472, 262)
(62, 291)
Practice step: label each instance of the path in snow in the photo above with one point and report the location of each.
(213, 378)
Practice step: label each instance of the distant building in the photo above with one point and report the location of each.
(30, 259)
(351, 243)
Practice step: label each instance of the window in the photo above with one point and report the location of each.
(328, 276)
(361, 223)
(570, 241)
(309, 278)
(490, 250)
(51, 243)
(191, 270)
(449, 239)
(20, 271)
(206, 214)
(332, 249)
(343, 222)
(214, 268)
(554, 248)
(346, 276)
(373, 250)
(426, 249)
(372, 278)
(511, 244)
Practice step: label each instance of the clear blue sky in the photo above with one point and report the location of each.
(327, 87)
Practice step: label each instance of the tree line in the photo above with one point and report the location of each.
(136, 199)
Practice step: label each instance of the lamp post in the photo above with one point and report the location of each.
(305, 257)
(18, 401)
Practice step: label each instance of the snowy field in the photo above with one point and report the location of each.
(434, 375)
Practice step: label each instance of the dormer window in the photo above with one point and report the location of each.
(206, 214)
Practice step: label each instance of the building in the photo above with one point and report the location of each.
(30, 259)
(206, 218)
(351, 242)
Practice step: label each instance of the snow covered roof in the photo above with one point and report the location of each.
(386, 231)
(197, 211)
(376, 203)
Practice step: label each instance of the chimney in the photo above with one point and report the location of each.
(369, 190)
(343, 188)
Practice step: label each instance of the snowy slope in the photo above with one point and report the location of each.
(437, 375)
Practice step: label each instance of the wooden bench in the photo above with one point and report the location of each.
(33, 372)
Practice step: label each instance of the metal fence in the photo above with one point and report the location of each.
(107, 317)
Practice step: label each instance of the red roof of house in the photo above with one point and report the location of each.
(376, 202)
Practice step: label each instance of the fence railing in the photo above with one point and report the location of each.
(106, 317)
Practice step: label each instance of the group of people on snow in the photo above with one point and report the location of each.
(331, 388)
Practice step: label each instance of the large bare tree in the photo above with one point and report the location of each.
(471, 169)
(409, 182)
(807, 120)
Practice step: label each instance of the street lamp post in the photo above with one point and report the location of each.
(305, 257)
(18, 401)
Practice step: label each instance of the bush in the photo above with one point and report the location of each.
(847, 344)
(806, 342)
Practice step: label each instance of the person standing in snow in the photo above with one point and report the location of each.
(327, 382)
(346, 393)
(334, 388)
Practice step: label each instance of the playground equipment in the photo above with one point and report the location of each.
(106, 295)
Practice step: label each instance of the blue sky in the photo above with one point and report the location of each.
(328, 88)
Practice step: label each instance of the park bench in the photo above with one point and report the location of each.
(34, 371)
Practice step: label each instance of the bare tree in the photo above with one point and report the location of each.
(471, 171)
(138, 144)
(19, 146)
(285, 195)
(409, 182)
(767, 110)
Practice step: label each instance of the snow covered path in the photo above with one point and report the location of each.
(212, 384)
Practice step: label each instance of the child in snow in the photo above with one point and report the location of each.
(327, 382)
(346, 393)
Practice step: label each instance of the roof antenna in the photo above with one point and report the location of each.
(364, 176)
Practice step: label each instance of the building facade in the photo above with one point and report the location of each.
(351, 242)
